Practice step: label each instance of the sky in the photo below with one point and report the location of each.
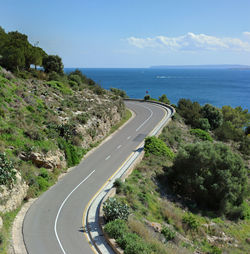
(134, 33)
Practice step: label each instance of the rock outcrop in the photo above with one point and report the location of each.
(11, 199)
(50, 160)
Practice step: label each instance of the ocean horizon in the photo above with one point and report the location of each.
(215, 86)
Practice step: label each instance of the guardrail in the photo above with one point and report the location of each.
(154, 102)
(108, 190)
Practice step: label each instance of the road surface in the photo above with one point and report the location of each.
(53, 224)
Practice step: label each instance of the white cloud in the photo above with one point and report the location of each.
(247, 34)
(191, 42)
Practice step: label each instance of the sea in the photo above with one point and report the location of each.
(215, 86)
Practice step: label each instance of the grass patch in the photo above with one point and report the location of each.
(5, 233)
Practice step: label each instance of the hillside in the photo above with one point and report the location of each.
(183, 196)
(47, 126)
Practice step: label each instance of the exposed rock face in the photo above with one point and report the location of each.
(50, 160)
(98, 127)
(10, 199)
(157, 227)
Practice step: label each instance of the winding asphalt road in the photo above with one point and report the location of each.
(53, 224)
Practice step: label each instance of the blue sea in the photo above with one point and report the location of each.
(214, 86)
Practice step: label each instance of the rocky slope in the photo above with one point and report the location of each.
(47, 126)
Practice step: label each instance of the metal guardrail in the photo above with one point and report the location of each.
(154, 102)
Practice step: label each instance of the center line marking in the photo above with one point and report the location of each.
(108, 157)
(129, 137)
(151, 113)
(118, 147)
(59, 211)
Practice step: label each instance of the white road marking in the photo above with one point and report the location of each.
(59, 211)
(151, 114)
(129, 137)
(107, 157)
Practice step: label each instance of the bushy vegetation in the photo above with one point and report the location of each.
(113, 209)
(130, 242)
(7, 172)
(148, 193)
(116, 228)
(211, 175)
(164, 99)
(156, 146)
(119, 92)
(168, 233)
(203, 135)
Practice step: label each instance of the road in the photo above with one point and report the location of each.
(53, 224)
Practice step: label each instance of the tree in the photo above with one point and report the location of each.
(52, 63)
(213, 114)
(190, 111)
(235, 121)
(164, 99)
(211, 175)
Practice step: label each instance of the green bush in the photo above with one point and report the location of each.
(127, 238)
(118, 92)
(43, 183)
(203, 124)
(201, 134)
(164, 99)
(168, 233)
(213, 114)
(116, 228)
(119, 185)
(245, 145)
(114, 209)
(190, 221)
(83, 118)
(157, 147)
(190, 111)
(44, 173)
(72, 153)
(146, 97)
(137, 247)
(7, 172)
(209, 174)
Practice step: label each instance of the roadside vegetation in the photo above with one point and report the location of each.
(48, 119)
(190, 193)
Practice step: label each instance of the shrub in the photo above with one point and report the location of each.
(72, 153)
(204, 124)
(227, 131)
(147, 97)
(116, 228)
(210, 174)
(7, 172)
(168, 233)
(113, 209)
(245, 145)
(201, 134)
(190, 221)
(76, 78)
(82, 118)
(137, 247)
(43, 183)
(119, 92)
(213, 114)
(157, 147)
(127, 238)
(190, 111)
(119, 185)
(164, 99)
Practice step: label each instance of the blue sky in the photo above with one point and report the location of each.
(138, 33)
